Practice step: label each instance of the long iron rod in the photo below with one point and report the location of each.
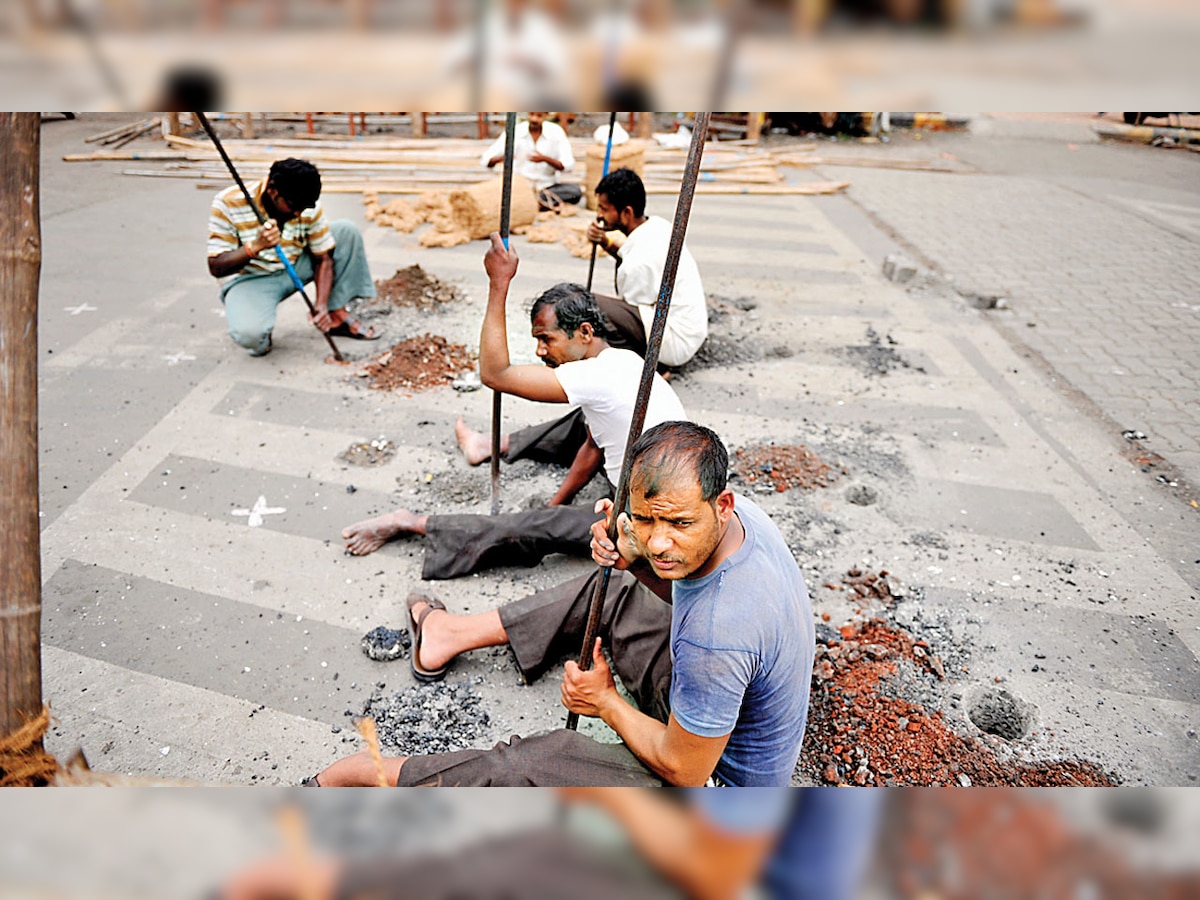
(683, 209)
(612, 124)
(262, 220)
(510, 134)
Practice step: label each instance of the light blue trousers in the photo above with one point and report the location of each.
(250, 300)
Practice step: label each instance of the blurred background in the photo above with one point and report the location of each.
(931, 843)
(602, 54)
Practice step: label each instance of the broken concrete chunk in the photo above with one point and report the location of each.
(898, 268)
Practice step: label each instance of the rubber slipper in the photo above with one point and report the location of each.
(352, 328)
(425, 676)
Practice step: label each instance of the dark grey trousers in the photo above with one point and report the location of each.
(545, 864)
(461, 544)
(542, 628)
(627, 330)
(457, 545)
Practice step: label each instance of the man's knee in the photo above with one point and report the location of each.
(345, 233)
(256, 341)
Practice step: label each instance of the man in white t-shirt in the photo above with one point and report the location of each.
(640, 243)
(581, 369)
(541, 153)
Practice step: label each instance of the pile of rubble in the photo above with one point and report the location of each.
(417, 364)
(873, 716)
(784, 467)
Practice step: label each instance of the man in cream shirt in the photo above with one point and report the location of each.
(541, 153)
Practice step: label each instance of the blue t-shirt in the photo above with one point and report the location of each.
(825, 835)
(742, 645)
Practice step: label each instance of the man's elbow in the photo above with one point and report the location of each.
(213, 268)
(491, 379)
(680, 773)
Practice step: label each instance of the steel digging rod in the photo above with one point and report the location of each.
(612, 124)
(262, 220)
(683, 209)
(510, 135)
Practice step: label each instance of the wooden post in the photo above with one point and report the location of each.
(754, 124)
(20, 543)
(419, 126)
(248, 125)
(645, 126)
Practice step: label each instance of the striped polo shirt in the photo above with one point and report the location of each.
(232, 224)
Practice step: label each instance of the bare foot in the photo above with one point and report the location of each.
(368, 536)
(475, 445)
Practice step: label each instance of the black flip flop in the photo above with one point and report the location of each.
(425, 676)
(352, 328)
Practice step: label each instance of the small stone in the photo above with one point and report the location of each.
(964, 780)
(831, 774)
(861, 495)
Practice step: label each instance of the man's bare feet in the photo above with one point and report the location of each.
(369, 535)
(476, 446)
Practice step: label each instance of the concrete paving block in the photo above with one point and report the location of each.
(899, 269)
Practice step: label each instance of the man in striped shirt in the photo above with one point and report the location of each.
(241, 253)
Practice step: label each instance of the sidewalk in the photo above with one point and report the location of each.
(181, 641)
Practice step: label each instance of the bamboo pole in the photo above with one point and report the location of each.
(20, 544)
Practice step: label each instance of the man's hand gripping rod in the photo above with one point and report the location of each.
(510, 136)
(262, 220)
(612, 125)
(683, 209)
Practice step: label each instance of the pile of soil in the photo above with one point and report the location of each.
(785, 466)
(417, 364)
(958, 845)
(859, 734)
(414, 287)
(368, 454)
(878, 358)
(430, 718)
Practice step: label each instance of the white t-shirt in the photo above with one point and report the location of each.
(605, 388)
(553, 143)
(639, 277)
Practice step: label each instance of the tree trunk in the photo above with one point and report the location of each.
(20, 545)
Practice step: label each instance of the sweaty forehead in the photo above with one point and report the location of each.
(545, 320)
(672, 491)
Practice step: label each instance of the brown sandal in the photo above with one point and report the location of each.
(425, 676)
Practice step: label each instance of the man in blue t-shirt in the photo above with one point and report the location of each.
(710, 628)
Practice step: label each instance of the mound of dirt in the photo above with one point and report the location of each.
(785, 467)
(417, 364)
(860, 733)
(414, 287)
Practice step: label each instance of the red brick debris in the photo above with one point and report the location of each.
(417, 364)
(962, 845)
(858, 735)
(787, 466)
(413, 286)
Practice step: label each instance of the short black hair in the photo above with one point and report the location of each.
(573, 305)
(624, 188)
(298, 182)
(660, 453)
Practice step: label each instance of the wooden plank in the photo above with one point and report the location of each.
(119, 155)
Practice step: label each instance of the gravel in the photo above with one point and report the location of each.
(385, 644)
(430, 718)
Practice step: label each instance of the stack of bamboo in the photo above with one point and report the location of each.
(417, 165)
